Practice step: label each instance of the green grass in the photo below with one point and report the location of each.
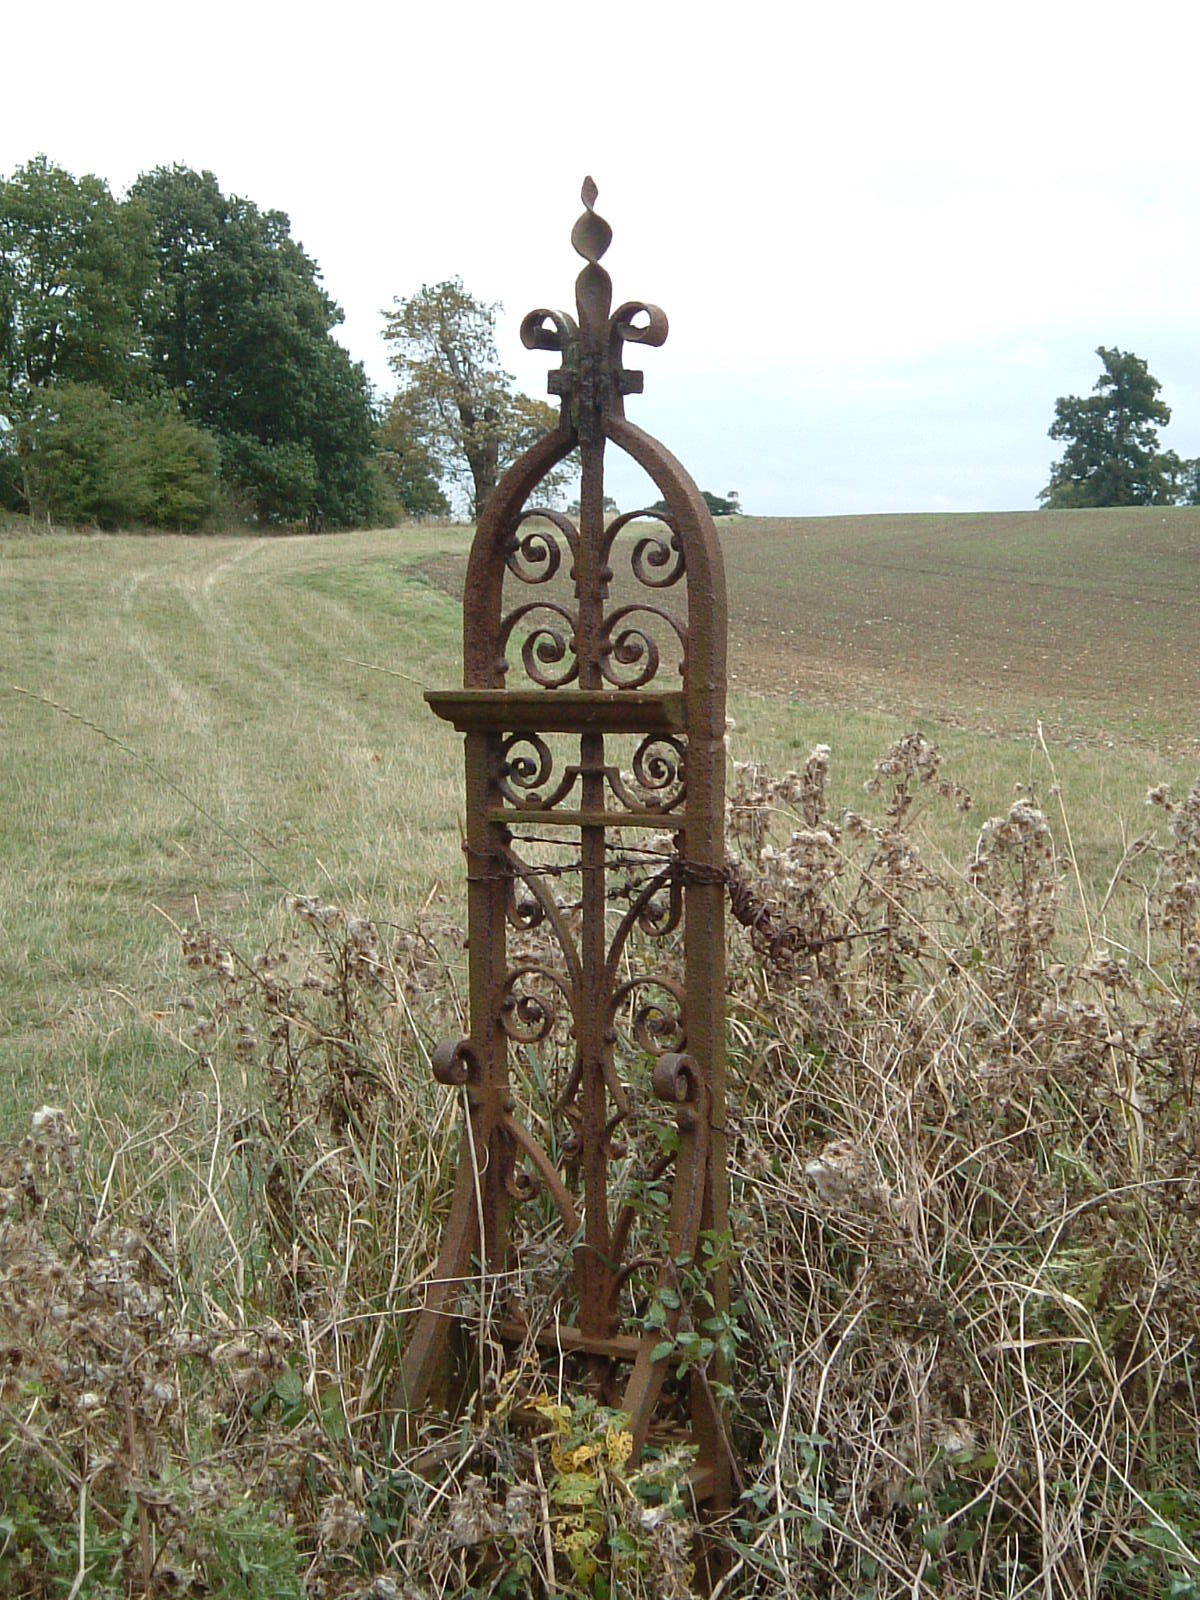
(255, 757)
(222, 744)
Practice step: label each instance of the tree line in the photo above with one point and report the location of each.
(168, 358)
(169, 355)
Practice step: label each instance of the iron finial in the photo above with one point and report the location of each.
(591, 235)
(592, 380)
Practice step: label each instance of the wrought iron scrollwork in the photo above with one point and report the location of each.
(624, 329)
(522, 910)
(546, 645)
(657, 1022)
(536, 891)
(656, 908)
(658, 768)
(526, 777)
(537, 556)
(658, 772)
(523, 776)
(546, 1171)
(548, 330)
(655, 562)
(455, 1064)
(521, 1184)
(527, 770)
(625, 645)
(596, 1009)
(677, 1079)
(526, 1016)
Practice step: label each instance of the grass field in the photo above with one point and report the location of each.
(203, 726)
(255, 757)
(962, 1141)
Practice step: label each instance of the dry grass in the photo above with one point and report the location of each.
(973, 1268)
(965, 1206)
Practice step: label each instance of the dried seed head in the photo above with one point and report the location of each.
(341, 1524)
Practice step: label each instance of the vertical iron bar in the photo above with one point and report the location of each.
(594, 1265)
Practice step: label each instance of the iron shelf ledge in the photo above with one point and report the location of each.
(558, 710)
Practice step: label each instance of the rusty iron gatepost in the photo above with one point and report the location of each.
(595, 868)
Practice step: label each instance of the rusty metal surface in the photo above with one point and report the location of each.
(641, 1040)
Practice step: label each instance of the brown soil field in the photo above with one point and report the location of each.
(1088, 621)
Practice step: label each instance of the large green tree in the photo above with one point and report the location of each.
(75, 265)
(1112, 456)
(85, 436)
(456, 398)
(239, 325)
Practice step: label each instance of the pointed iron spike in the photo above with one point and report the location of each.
(588, 193)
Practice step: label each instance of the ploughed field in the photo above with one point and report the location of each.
(1088, 621)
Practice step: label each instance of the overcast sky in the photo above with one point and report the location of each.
(887, 236)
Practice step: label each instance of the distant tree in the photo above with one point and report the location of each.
(407, 462)
(471, 420)
(1112, 456)
(239, 326)
(718, 505)
(1189, 482)
(75, 265)
(611, 509)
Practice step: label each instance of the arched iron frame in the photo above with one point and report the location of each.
(593, 670)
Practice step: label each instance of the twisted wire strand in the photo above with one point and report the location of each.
(684, 869)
